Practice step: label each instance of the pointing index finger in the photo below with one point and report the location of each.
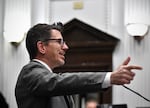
(133, 67)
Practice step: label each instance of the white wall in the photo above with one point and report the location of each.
(136, 11)
(1, 44)
(107, 15)
(16, 19)
(63, 11)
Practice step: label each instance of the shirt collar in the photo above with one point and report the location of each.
(43, 63)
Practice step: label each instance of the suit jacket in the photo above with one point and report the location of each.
(37, 87)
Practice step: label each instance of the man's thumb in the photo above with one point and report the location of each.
(126, 61)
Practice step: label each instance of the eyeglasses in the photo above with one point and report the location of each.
(60, 41)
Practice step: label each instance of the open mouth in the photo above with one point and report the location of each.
(62, 55)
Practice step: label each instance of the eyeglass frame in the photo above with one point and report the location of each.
(60, 41)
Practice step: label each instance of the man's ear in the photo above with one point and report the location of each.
(41, 47)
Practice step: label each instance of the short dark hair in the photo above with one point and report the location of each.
(37, 33)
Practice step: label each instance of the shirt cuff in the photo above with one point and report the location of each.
(106, 82)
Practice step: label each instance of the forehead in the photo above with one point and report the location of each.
(56, 33)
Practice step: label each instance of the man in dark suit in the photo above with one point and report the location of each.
(38, 87)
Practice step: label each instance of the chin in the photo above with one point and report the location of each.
(61, 63)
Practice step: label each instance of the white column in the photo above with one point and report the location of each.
(137, 11)
(17, 19)
(1, 42)
(16, 23)
(39, 11)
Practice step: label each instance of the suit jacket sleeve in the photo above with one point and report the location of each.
(37, 79)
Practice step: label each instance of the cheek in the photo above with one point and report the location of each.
(54, 53)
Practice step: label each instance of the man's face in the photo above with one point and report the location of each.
(56, 49)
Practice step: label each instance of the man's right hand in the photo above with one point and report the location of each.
(124, 74)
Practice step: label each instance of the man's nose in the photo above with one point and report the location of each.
(65, 47)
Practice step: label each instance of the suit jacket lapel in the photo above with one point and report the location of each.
(69, 101)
